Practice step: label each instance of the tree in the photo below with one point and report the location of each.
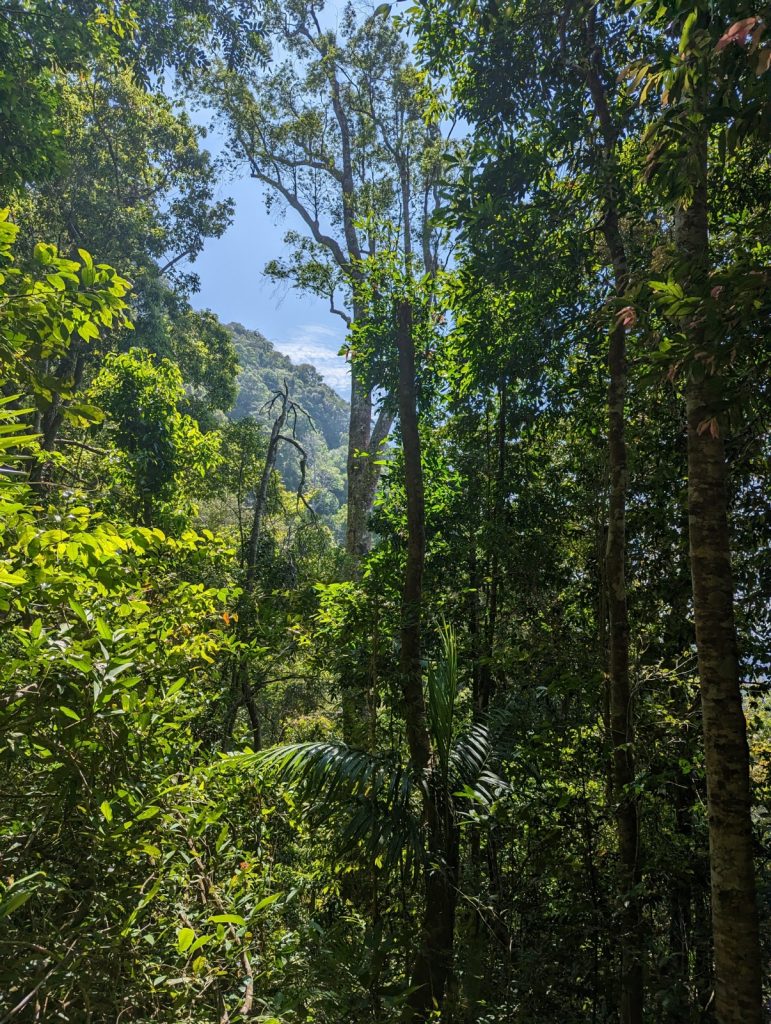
(43, 42)
(696, 90)
(575, 135)
(162, 451)
(340, 134)
(49, 306)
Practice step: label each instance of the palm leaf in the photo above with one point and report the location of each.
(442, 693)
(374, 795)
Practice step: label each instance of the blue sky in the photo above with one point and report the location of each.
(234, 287)
(233, 284)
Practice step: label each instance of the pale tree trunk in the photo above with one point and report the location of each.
(734, 908)
(358, 696)
(358, 539)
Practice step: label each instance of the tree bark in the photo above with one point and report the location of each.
(738, 998)
(357, 538)
(358, 699)
(241, 680)
(69, 372)
(432, 968)
(261, 498)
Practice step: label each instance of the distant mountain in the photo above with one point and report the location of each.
(263, 371)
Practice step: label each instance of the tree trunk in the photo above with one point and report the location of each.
(433, 961)
(432, 968)
(621, 709)
(69, 371)
(734, 908)
(261, 498)
(487, 677)
(241, 681)
(412, 589)
(357, 538)
(357, 698)
(620, 698)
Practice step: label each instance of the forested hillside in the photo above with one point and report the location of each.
(323, 432)
(449, 703)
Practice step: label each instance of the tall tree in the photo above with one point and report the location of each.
(137, 190)
(339, 134)
(579, 121)
(703, 90)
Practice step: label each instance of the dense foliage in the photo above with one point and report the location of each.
(449, 703)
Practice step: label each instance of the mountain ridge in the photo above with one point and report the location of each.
(263, 369)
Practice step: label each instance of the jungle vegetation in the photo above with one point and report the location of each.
(448, 703)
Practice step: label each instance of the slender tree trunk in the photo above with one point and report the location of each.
(474, 621)
(620, 698)
(357, 699)
(412, 589)
(261, 498)
(487, 678)
(621, 706)
(734, 908)
(432, 968)
(357, 538)
(69, 371)
(241, 685)
(433, 962)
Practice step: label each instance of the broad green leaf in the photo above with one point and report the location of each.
(185, 938)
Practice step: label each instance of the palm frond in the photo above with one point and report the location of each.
(374, 795)
(472, 777)
(442, 694)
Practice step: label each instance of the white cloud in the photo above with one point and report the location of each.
(318, 344)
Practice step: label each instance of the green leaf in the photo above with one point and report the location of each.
(185, 938)
(70, 714)
(690, 21)
(228, 919)
(266, 902)
(87, 331)
(15, 901)
(106, 809)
